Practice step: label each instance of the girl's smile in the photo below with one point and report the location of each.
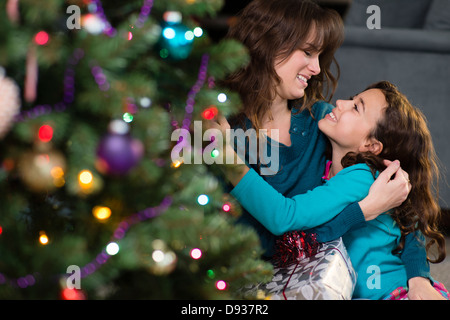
(330, 116)
(350, 124)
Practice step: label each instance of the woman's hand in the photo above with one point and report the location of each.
(421, 289)
(386, 193)
(233, 167)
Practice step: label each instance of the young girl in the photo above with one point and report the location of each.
(377, 124)
(291, 44)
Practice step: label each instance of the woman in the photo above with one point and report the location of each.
(291, 44)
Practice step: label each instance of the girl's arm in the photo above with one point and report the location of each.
(384, 194)
(280, 214)
(388, 191)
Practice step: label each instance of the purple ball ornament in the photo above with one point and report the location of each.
(117, 154)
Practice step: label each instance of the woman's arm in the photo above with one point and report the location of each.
(390, 190)
(351, 218)
(384, 187)
(414, 257)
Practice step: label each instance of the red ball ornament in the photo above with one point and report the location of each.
(210, 113)
(45, 133)
(41, 38)
(72, 294)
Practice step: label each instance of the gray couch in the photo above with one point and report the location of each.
(411, 50)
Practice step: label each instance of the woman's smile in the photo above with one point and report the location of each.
(303, 79)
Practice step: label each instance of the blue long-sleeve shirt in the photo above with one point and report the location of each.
(301, 167)
(370, 247)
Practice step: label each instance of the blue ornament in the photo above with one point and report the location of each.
(176, 41)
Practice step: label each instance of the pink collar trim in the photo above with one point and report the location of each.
(327, 170)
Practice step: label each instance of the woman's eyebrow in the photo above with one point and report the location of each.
(311, 47)
(363, 104)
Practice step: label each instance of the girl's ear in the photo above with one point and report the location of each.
(372, 145)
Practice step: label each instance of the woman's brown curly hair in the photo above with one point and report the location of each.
(273, 30)
(405, 136)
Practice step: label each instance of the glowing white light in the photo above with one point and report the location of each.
(203, 199)
(198, 32)
(93, 23)
(112, 248)
(172, 16)
(222, 97)
(158, 255)
(145, 102)
(118, 126)
(221, 285)
(196, 253)
(189, 35)
(169, 33)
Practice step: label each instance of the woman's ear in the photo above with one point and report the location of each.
(372, 145)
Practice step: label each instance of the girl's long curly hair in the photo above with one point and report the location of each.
(405, 136)
(271, 30)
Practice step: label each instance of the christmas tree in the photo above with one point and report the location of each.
(92, 204)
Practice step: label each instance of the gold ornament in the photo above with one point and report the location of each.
(42, 171)
(161, 260)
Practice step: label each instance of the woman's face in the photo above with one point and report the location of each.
(349, 125)
(296, 70)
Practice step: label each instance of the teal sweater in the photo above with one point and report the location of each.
(370, 248)
(301, 167)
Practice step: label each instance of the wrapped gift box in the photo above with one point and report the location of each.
(326, 275)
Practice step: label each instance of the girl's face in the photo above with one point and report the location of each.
(295, 71)
(349, 125)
